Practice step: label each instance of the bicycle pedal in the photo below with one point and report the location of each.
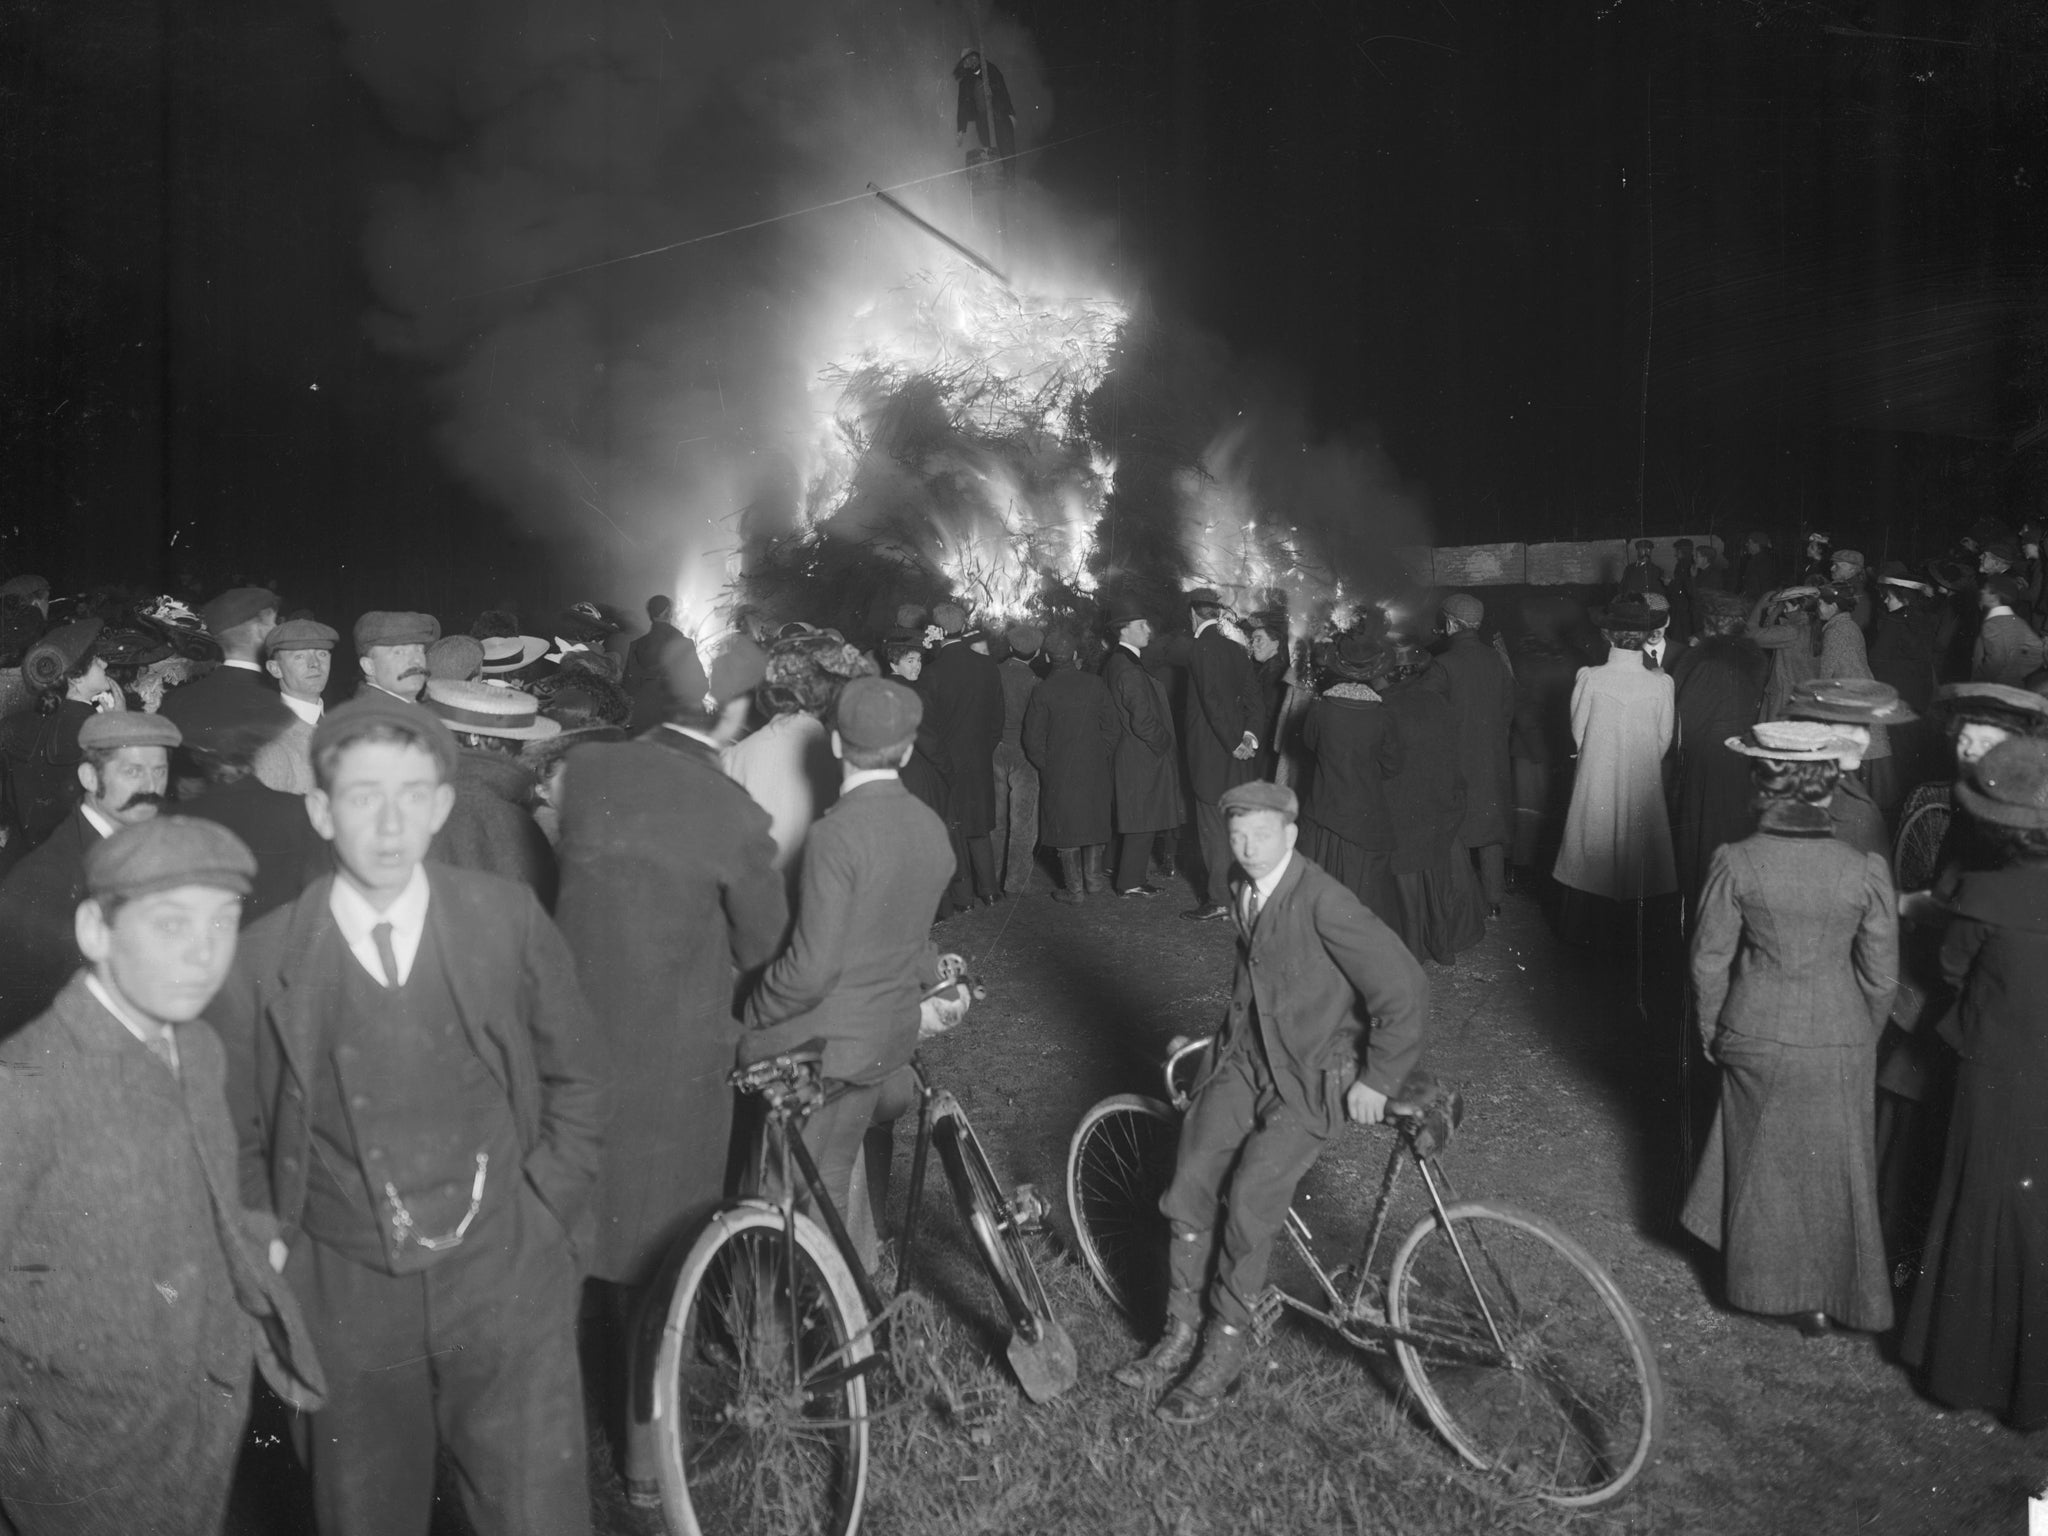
(1029, 1209)
(1266, 1314)
(978, 1410)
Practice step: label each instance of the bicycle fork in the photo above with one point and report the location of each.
(1450, 1231)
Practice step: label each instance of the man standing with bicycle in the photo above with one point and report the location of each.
(1326, 1021)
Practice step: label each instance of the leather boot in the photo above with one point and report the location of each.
(1095, 878)
(1200, 1395)
(1070, 875)
(1164, 1360)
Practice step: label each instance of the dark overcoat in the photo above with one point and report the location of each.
(1070, 736)
(38, 904)
(230, 707)
(39, 758)
(1147, 778)
(1426, 796)
(1357, 749)
(662, 670)
(1482, 691)
(963, 694)
(669, 889)
(290, 855)
(1222, 704)
(492, 828)
(132, 1283)
(1720, 687)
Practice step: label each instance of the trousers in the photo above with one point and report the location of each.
(1214, 834)
(476, 1353)
(1242, 1152)
(1492, 861)
(1016, 830)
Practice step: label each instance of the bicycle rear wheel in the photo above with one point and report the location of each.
(760, 1398)
(1917, 850)
(1118, 1166)
(1574, 1405)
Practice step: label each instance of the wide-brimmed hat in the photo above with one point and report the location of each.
(1849, 700)
(1797, 741)
(1893, 573)
(1994, 702)
(512, 653)
(1358, 658)
(486, 709)
(1633, 612)
(2008, 786)
(63, 648)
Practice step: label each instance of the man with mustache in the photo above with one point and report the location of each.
(235, 699)
(126, 768)
(392, 650)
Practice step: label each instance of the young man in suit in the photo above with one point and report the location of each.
(235, 698)
(1326, 1021)
(860, 958)
(135, 1296)
(417, 1108)
(1223, 741)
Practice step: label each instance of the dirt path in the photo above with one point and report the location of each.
(1571, 1112)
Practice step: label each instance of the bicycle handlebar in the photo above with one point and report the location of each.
(1181, 1047)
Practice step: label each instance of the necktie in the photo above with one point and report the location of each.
(161, 1048)
(1251, 908)
(386, 956)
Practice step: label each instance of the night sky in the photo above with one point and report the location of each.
(1579, 268)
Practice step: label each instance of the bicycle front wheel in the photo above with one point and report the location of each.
(760, 1394)
(1119, 1165)
(991, 1221)
(1553, 1380)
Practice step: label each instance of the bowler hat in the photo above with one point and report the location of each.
(2008, 786)
(1950, 573)
(301, 635)
(1851, 700)
(380, 628)
(237, 605)
(874, 714)
(1631, 611)
(1259, 795)
(113, 729)
(1119, 611)
(63, 648)
(167, 852)
(374, 709)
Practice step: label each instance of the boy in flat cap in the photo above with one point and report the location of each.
(1223, 741)
(135, 1292)
(300, 654)
(416, 1107)
(1326, 1021)
(123, 776)
(235, 697)
(392, 650)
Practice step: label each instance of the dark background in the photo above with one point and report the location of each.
(1581, 268)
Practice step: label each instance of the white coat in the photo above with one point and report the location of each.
(1617, 835)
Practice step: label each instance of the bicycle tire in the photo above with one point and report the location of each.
(1917, 848)
(1575, 1410)
(759, 1435)
(992, 1225)
(1119, 1164)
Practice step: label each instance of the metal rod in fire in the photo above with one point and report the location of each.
(940, 235)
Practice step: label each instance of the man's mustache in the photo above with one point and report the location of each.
(412, 672)
(142, 797)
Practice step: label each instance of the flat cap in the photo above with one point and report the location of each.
(1465, 608)
(1024, 638)
(874, 714)
(1060, 644)
(379, 628)
(1259, 796)
(950, 617)
(1205, 597)
(1851, 700)
(237, 605)
(58, 652)
(1847, 557)
(167, 852)
(113, 729)
(455, 657)
(372, 710)
(301, 635)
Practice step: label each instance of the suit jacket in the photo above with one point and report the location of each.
(663, 669)
(285, 762)
(963, 692)
(861, 956)
(2007, 651)
(514, 983)
(39, 758)
(290, 855)
(1332, 993)
(668, 892)
(229, 706)
(1223, 703)
(1147, 782)
(1070, 736)
(135, 1289)
(1483, 694)
(38, 902)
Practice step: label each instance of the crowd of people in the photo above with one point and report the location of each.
(479, 945)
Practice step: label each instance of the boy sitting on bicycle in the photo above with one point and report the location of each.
(1326, 1020)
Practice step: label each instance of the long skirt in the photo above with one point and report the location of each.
(1978, 1325)
(1438, 910)
(1362, 871)
(1787, 1186)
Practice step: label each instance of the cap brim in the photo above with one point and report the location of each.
(1984, 808)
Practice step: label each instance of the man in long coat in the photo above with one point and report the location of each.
(1483, 693)
(668, 892)
(1224, 735)
(1719, 686)
(662, 668)
(963, 695)
(1017, 786)
(1147, 779)
(1071, 734)
(136, 1293)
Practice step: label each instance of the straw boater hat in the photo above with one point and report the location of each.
(483, 709)
(1991, 703)
(1797, 741)
(2008, 786)
(512, 653)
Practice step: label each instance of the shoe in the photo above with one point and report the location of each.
(1163, 1361)
(1208, 912)
(1147, 891)
(1811, 1325)
(1199, 1397)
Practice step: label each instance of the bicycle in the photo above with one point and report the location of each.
(759, 1390)
(1522, 1351)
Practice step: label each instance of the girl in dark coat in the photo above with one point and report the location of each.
(1978, 1325)
(1720, 685)
(1070, 737)
(1438, 910)
(903, 660)
(1794, 963)
(1346, 825)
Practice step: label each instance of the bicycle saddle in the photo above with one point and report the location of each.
(1433, 1110)
(788, 1068)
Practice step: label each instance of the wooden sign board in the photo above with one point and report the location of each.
(1477, 565)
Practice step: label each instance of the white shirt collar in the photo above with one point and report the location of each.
(1266, 886)
(683, 730)
(1131, 648)
(355, 917)
(118, 1007)
(2004, 608)
(243, 666)
(100, 824)
(854, 781)
(1205, 624)
(308, 710)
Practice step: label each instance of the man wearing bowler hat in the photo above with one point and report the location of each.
(417, 1106)
(1223, 741)
(123, 779)
(391, 648)
(1147, 780)
(299, 653)
(136, 1296)
(1326, 1022)
(235, 698)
